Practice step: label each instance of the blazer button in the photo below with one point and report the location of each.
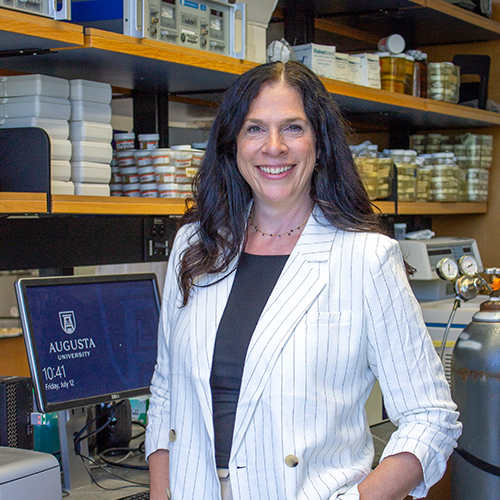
(172, 436)
(292, 461)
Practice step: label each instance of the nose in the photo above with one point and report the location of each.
(275, 143)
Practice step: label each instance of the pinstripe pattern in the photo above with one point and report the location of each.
(340, 315)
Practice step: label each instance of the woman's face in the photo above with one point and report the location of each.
(276, 147)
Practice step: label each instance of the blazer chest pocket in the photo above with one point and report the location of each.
(329, 319)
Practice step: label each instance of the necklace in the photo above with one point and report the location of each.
(279, 235)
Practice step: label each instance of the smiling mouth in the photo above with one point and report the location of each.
(275, 171)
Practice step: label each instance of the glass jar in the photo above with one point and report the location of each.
(392, 71)
(407, 181)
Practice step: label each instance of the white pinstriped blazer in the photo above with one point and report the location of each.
(341, 314)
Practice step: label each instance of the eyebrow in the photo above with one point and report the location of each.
(287, 121)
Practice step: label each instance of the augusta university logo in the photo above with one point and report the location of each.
(68, 322)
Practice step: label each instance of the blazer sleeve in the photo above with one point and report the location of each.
(157, 431)
(402, 356)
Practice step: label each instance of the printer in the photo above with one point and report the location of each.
(29, 475)
(436, 296)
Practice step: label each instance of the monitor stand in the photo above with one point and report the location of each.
(75, 474)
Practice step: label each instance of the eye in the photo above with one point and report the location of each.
(253, 129)
(295, 127)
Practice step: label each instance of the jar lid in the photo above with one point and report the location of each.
(128, 170)
(141, 153)
(181, 146)
(124, 136)
(161, 152)
(148, 137)
(136, 186)
(125, 153)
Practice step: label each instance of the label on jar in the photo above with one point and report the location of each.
(126, 144)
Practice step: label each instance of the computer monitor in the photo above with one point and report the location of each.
(89, 340)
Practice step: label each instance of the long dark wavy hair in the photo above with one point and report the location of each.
(221, 196)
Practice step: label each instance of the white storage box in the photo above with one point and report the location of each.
(341, 67)
(98, 152)
(85, 90)
(319, 58)
(23, 85)
(90, 111)
(56, 129)
(85, 171)
(60, 170)
(62, 187)
(370, 70)
(36, 105)
(355, 70)
(60, 149)
(88, 189)
(90, 131)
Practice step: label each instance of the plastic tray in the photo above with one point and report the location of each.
(35, 106)
(60, 170)
(97, 152)
(24, 85)
(87, 189)
(86, 90)
(90, 111)
(56, 129)
(90, 131)
(83, 171)
(62, 187)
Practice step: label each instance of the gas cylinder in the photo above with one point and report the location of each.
(475, 387)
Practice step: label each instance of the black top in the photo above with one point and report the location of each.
(255, 279)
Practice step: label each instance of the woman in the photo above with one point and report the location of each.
(283, 303)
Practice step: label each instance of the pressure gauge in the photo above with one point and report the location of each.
(468, 265)
(447, 269)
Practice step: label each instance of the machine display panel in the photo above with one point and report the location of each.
(89, 339)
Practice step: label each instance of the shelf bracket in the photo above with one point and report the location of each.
(26, 52)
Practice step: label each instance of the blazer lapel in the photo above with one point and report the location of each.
(209, 301)
(298, 286)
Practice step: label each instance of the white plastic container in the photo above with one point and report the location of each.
(56, 129)
(88, 189)
(98, 152)
(60, 170)
(132, 190)
(85, 171)
(90, 111)
(60, 149)
(23, 85)
(35, 105)
(148, 141)
(62, 187)
(162, 157)
(125, 158)
(124, 140)
(86, 90)
(90, 131)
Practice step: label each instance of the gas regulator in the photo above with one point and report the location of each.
(467, 283)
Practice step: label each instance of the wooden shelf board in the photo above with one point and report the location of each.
(357, 25)
(112, 205)
(433, 208)
(23, 203)
(385, 207)
(365, 104)
(22, 31)
(161, 51)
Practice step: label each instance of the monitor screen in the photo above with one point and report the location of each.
(89, 339)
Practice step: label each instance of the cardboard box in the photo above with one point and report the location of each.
(355, 70)
(320, 58)
(341, 67)
(370, 70)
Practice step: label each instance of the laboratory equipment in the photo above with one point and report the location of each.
(475, 471)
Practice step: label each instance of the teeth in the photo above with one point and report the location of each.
(275, 170)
